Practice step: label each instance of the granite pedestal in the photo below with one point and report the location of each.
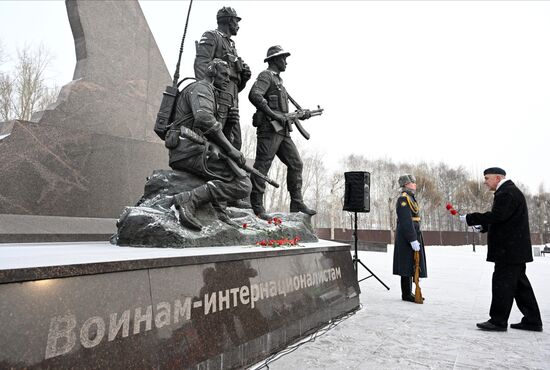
(95, 305)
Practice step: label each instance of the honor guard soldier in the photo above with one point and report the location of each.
(218, 44)
(408, 237)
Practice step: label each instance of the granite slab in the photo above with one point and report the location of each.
(97, 306)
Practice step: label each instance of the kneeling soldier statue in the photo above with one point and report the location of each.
(198, 145)
(273, 123)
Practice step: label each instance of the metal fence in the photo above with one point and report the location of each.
(430, 237)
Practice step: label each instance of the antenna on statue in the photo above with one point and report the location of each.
(177, 73)
(166, 110)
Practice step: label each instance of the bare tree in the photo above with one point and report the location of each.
(248, 147)
(6, 87)
(6, 93)
(25, 90)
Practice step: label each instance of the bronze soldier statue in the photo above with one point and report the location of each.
(198, 145)
(272, 120)
(218, 44)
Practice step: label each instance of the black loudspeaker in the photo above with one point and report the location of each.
(357, 194)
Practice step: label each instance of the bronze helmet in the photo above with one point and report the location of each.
(275, 51)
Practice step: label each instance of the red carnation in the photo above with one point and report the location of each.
(453, 212)
(245, 226)
(449, 206)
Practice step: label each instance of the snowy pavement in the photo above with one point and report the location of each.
(388, 333)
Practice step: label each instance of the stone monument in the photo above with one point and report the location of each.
(229, 304)
(98, 135)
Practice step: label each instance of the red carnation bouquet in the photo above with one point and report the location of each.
(451, 209)
(275, 235)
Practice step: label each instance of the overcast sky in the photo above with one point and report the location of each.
(461, 82)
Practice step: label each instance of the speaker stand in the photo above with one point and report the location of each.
(357, 261)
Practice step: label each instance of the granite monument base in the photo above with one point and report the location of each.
(95, 305)
(42, 229)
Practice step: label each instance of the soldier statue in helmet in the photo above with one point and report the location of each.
(218, 44)
(271, 100)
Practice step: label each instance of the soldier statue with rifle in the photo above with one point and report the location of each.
(218, 44)
(189, 122)
(198, 145)
(274, 124)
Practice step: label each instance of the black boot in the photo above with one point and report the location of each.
(239, 203)
(224, 217)
(257, 201)
(187, 203)
(406, 289)
(299, 206)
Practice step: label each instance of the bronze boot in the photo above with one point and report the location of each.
(187, 203)
(299, 206)
(257, 202)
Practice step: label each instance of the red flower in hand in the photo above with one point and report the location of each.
(453, 212)
(449, 206)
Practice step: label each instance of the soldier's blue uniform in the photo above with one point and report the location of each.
(408, 230)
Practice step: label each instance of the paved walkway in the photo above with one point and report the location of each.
(388, 333)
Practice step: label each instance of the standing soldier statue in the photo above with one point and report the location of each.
(218, 44)
(273, 123)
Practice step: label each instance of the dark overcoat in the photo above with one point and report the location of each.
(507, 226)
(408, 230)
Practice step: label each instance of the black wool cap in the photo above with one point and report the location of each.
(494, 171)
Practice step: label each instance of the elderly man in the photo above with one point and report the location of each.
(195, 129)
(270, 98)
(509, 247)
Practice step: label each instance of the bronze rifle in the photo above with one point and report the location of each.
(236, 168)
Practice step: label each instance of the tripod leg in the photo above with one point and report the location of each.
(356, 259)
(373, 274)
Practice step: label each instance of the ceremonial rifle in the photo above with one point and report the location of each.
(417, 292)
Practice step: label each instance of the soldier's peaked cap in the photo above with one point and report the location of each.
(227, 11)
(275, 51)
(494, 171)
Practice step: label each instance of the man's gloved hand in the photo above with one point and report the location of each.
(477, 228)
(246, 72)
(233, 117)
(462, 218)
(415, 245)
(237, 156)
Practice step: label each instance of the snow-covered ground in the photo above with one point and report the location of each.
(388, 333)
